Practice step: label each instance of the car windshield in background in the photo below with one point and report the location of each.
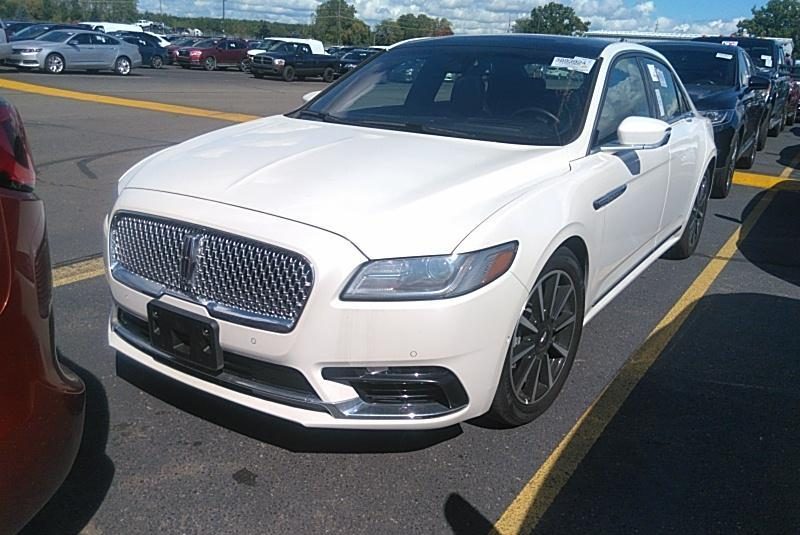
(760, 54)
(31, 32)
(357, 55)
(703, 67)
(492, 94)
(208, 43)
(57, 36)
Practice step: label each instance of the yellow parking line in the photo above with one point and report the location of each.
(79, 271)
(125, 102)
(787, 171)
(755, 180)
(539, 493)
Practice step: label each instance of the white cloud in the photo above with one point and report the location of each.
(467, 16)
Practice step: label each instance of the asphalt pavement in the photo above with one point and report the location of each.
(706, 441)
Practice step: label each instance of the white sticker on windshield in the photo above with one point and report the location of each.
(577, 63)
(661, 78)
(660, 101)
(767, 60)
(720, 55)
(730, 43)
(653, 74)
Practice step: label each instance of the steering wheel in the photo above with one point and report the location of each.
(536, 110)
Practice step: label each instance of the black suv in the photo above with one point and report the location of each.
(769, 58)
(724, 88)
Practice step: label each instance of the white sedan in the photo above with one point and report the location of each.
(411, 252)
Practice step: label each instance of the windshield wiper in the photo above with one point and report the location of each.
(320, 116)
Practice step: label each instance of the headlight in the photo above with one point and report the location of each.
(279, 62)
(718, 117)
(429, 277)
(30, 50)
(195, 53)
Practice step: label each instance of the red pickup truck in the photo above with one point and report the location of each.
(211, 54)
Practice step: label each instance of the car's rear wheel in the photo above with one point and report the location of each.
(328, 75)
(544, 343)
(122, 66)
(723, 181)
(54, 64)
(210, 63)
(243, 66)
(686, 246)
(156, 62)
(288, 73)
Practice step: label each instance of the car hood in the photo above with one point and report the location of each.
(709, 97)
(390, 193)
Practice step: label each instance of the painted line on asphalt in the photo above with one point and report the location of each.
(78, 271)
(793, 164)
(540, 492)
(125, 102)
(755, 180)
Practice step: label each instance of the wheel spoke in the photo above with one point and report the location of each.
(566, 323)
(523, 377)
(563, 303)
(522, 354)
(555, 294)
(541, 300)
(561, 350)
(528, 324)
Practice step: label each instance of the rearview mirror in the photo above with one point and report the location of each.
(759, 83)
(310, 96)
(640, 133)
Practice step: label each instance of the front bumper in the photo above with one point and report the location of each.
(185, 60)
(463, 338)
(28, 61)
(267, 70)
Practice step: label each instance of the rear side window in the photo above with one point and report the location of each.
(626, 96)
(668, 101)
(82, 39)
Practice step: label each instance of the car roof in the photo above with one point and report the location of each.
(690, 45)
(740, 40)
(566, 45)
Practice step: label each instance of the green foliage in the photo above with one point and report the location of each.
(778, 18)
(409, 26)
(69, 10)
(335, 22)
(552, 18)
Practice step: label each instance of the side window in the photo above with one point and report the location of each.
(304, 49)
(82, 39)
(626, 96)
(668, 100)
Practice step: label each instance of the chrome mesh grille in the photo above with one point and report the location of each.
(242, 275)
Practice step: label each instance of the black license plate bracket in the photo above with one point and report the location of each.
(189, 338)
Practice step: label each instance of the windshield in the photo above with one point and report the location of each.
(31, 32)
(57, 36)
(703, 67)
(357, 56)
(279, 46)
(760, 54)
(508, 95)
(208, 43)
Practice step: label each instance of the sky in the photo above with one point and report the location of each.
(491, 16)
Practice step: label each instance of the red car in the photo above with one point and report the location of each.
(211, 54)
(172, 50)
(41, 401)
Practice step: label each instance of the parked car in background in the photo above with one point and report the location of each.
(795, 75)
(179, 43)
(726, 90)
(265, 45)
(63, 50)
(793, 101)
(353, 59)
(14, 27)
(5, 47)
(769, 58)
(212, 54)
(37, 30)
(294, 60)
(109, 27)
(152, 55)
(41, 400)
(446, 272)
(340, 51)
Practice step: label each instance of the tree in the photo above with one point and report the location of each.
(779, 18)
(388, 32)
(336, 22)
(422, 26)
(552, 18)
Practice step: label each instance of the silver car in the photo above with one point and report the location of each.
(61, 50)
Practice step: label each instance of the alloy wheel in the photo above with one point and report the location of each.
(123, 66)
(543, 337)
(698, 215)
(55, 64)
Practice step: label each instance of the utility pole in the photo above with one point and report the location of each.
(339, 21)
(223, 17)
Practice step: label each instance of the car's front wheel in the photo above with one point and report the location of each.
(156, 62)
(687, 244)
(288, 73)
(54, 64)
(723, 181)
(210, 64)
(122, 66)
(544, 343)
(328, 75)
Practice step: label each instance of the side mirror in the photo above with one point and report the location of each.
(72, 42)
(310, 96)
(640, 133)
(759, 83)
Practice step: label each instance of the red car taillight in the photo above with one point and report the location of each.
(16, 164)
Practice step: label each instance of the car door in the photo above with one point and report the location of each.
(628, 187)
(304, 62)
(79, 51)
(105, 49)
(684, 144)
(750, 101)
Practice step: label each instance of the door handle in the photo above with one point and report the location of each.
(609, 197)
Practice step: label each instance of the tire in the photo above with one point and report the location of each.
(516, 402)
(791, 118)
(747, 160)
(54, 64)
(156, 62)
(184, 66)
(122, 66)
(761, 140)
(258, 75)
(722, 183)
(243, 66)
(288, 73)
(328, 74)
(775, 130)
(210, 63)
(686, 246)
